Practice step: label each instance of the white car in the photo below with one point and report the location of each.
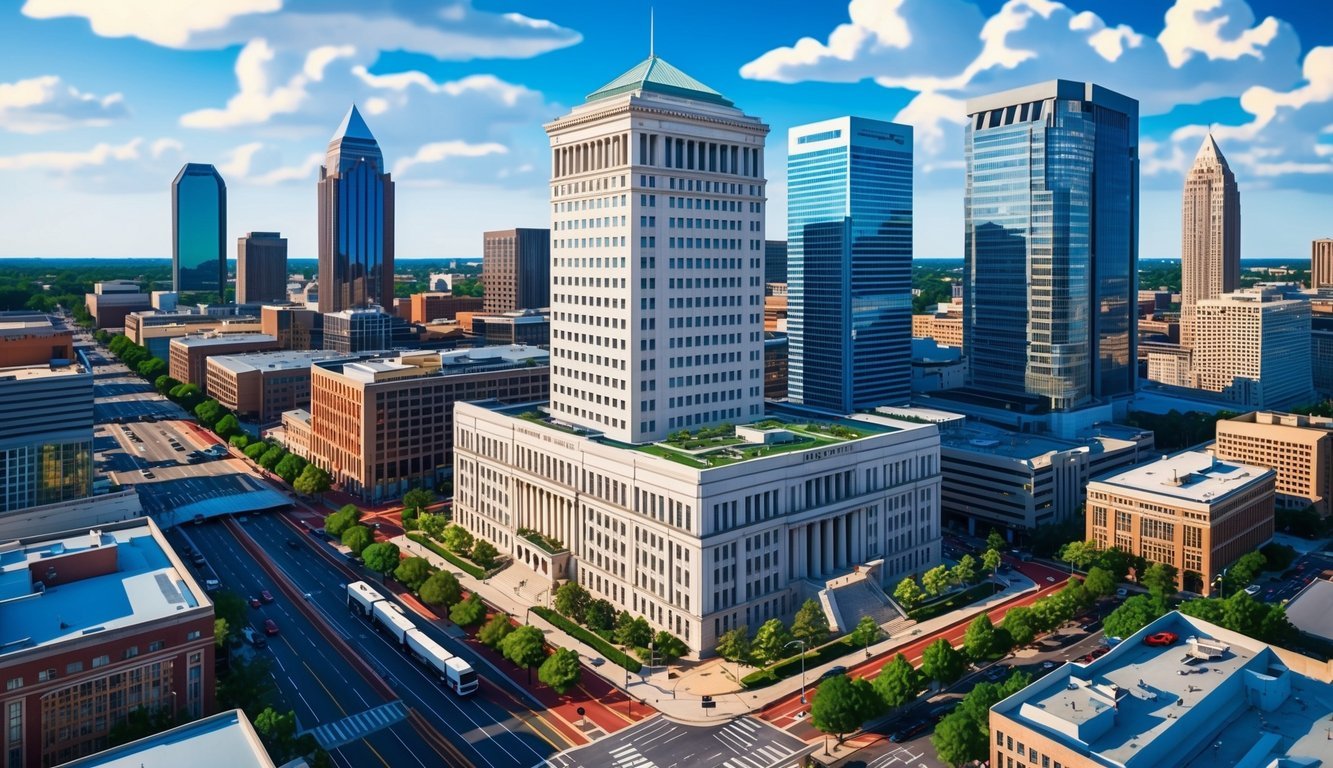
(1252, 590)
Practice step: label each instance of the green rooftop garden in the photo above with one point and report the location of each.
(719, 446)
(550, 545)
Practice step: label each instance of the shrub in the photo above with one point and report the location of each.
(597, 642)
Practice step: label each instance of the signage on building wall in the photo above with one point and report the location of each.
(827, 452)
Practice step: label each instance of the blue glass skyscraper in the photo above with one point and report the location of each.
(198, 228)
(1051, 243)
(849, 263)
(355, 221)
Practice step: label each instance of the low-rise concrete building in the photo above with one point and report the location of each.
(224, 740)
(1192, 510)
(112, 300)
(437, 305)
(936, 366)
(259, 386)
(1253, 347)
(34, 338)
(1202, 697)
(528, 326)
(155, 330)
(1016, 481)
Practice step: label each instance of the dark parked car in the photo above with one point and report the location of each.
(833, 672)
(266, 596)
(908, 730)
(270, 627)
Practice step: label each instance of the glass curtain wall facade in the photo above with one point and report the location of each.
(849, 267)
(1051, 243)
(198, 228)
(355, 221)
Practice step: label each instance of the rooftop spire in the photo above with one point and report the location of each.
(352, 127)
(652, 33)
(1209, 150)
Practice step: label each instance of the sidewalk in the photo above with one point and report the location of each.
(655, 689)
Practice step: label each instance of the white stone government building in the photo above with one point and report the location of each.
(657, 252)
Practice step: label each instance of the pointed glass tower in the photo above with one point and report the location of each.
(1209, 234)
(355, 220)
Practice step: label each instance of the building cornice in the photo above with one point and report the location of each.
(633, 109)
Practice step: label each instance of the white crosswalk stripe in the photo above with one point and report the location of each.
(330, 736)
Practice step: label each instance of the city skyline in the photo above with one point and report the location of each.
(254, 93)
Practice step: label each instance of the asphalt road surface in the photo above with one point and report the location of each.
(660, 743)
(119, 393)
(483, 731)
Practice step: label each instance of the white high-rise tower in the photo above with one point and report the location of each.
(657, 258)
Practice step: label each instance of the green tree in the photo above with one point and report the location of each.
(239, 441)
(634, 634)
(312, 481)
(338, 522)
(152, 368)
(810, 624)
(230, 607)
(247, 684)
(456, 538)
(468, 612)
(220, 632)
(908, 593)
(418, 498)
(1244, 571)
(526, 647)
(990, 560)
(865, 633)
(413, 572)
(1020, 623)
(381, 557)
(289, 468)
(495, 630)
(1099, 582)
(898, 682)
(228, 426)
(959, 739)
(995, 541)
(936, 581)
(434, 526)
(441, 590)
(1133, 614)
(941, 662)
(1117, 562)
(667, 647)
(209, 411)
(278, 732)
(484, 553)
(572, 599)
(357, 538)
(770, 641)
(965, 571)
(271, 457)
(1080, 554)
(981, 639)
(600, 615)
(561, 670)
(840, 706)
(255, 450)
(164, 384)
(1160, 579)
(734, 644)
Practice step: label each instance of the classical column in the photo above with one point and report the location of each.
(827, 557)
(816, 549)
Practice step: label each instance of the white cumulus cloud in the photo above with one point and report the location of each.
(164, 22)
(258, 98)
(46, 103)
(439, 151)
(70, 161)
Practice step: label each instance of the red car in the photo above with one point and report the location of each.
(266, 596)
(1160, 639)
(270, 627)
(254, 602)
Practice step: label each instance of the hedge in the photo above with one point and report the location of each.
(952, 602)
(475, 571)
(612, 654)
(789, 667)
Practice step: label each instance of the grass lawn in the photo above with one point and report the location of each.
(790, 667)
(952, 602)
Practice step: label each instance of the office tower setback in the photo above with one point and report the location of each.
(1209, 233)
(657, 258)
(1253, 347)
(1051, 217)
(355, 221)
(849, 263)
(198, 230)
(516, 269)
(261, 268)
(1321, 263)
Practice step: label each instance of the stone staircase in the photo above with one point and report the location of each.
(855, 598)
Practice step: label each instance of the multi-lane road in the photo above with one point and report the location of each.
(482, 732)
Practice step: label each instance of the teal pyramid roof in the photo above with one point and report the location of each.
(656, 75)
(352, 127)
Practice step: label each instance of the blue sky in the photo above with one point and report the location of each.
(102, 101)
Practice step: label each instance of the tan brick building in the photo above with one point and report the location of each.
(1321, 263)
(261, 385)
(32, 338)
(1191, 510)
(442, 306)
(516, 269)
(382, 425)
(945, 325)
(1299, 448)
(189, 354)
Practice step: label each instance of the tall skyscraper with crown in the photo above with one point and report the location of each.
(1209, 235)
(355, 220)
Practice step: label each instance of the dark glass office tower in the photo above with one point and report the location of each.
(1051, 242)
(355, 221)
(198, 227)
(849, 263)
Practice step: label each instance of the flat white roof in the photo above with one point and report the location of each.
(30, 372)
(144, 586)
(224, 338)
(1194, 476)
(224, 740)
(279, 360)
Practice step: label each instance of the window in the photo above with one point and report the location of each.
(193, 635)
(73, 667)
(13, 684)
(101, 661)
(46, 674)
(156, 645)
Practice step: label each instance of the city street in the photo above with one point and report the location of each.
(660, 743)
(119, 393)
(486, 733)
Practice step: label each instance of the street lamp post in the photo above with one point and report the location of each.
(802, 644)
